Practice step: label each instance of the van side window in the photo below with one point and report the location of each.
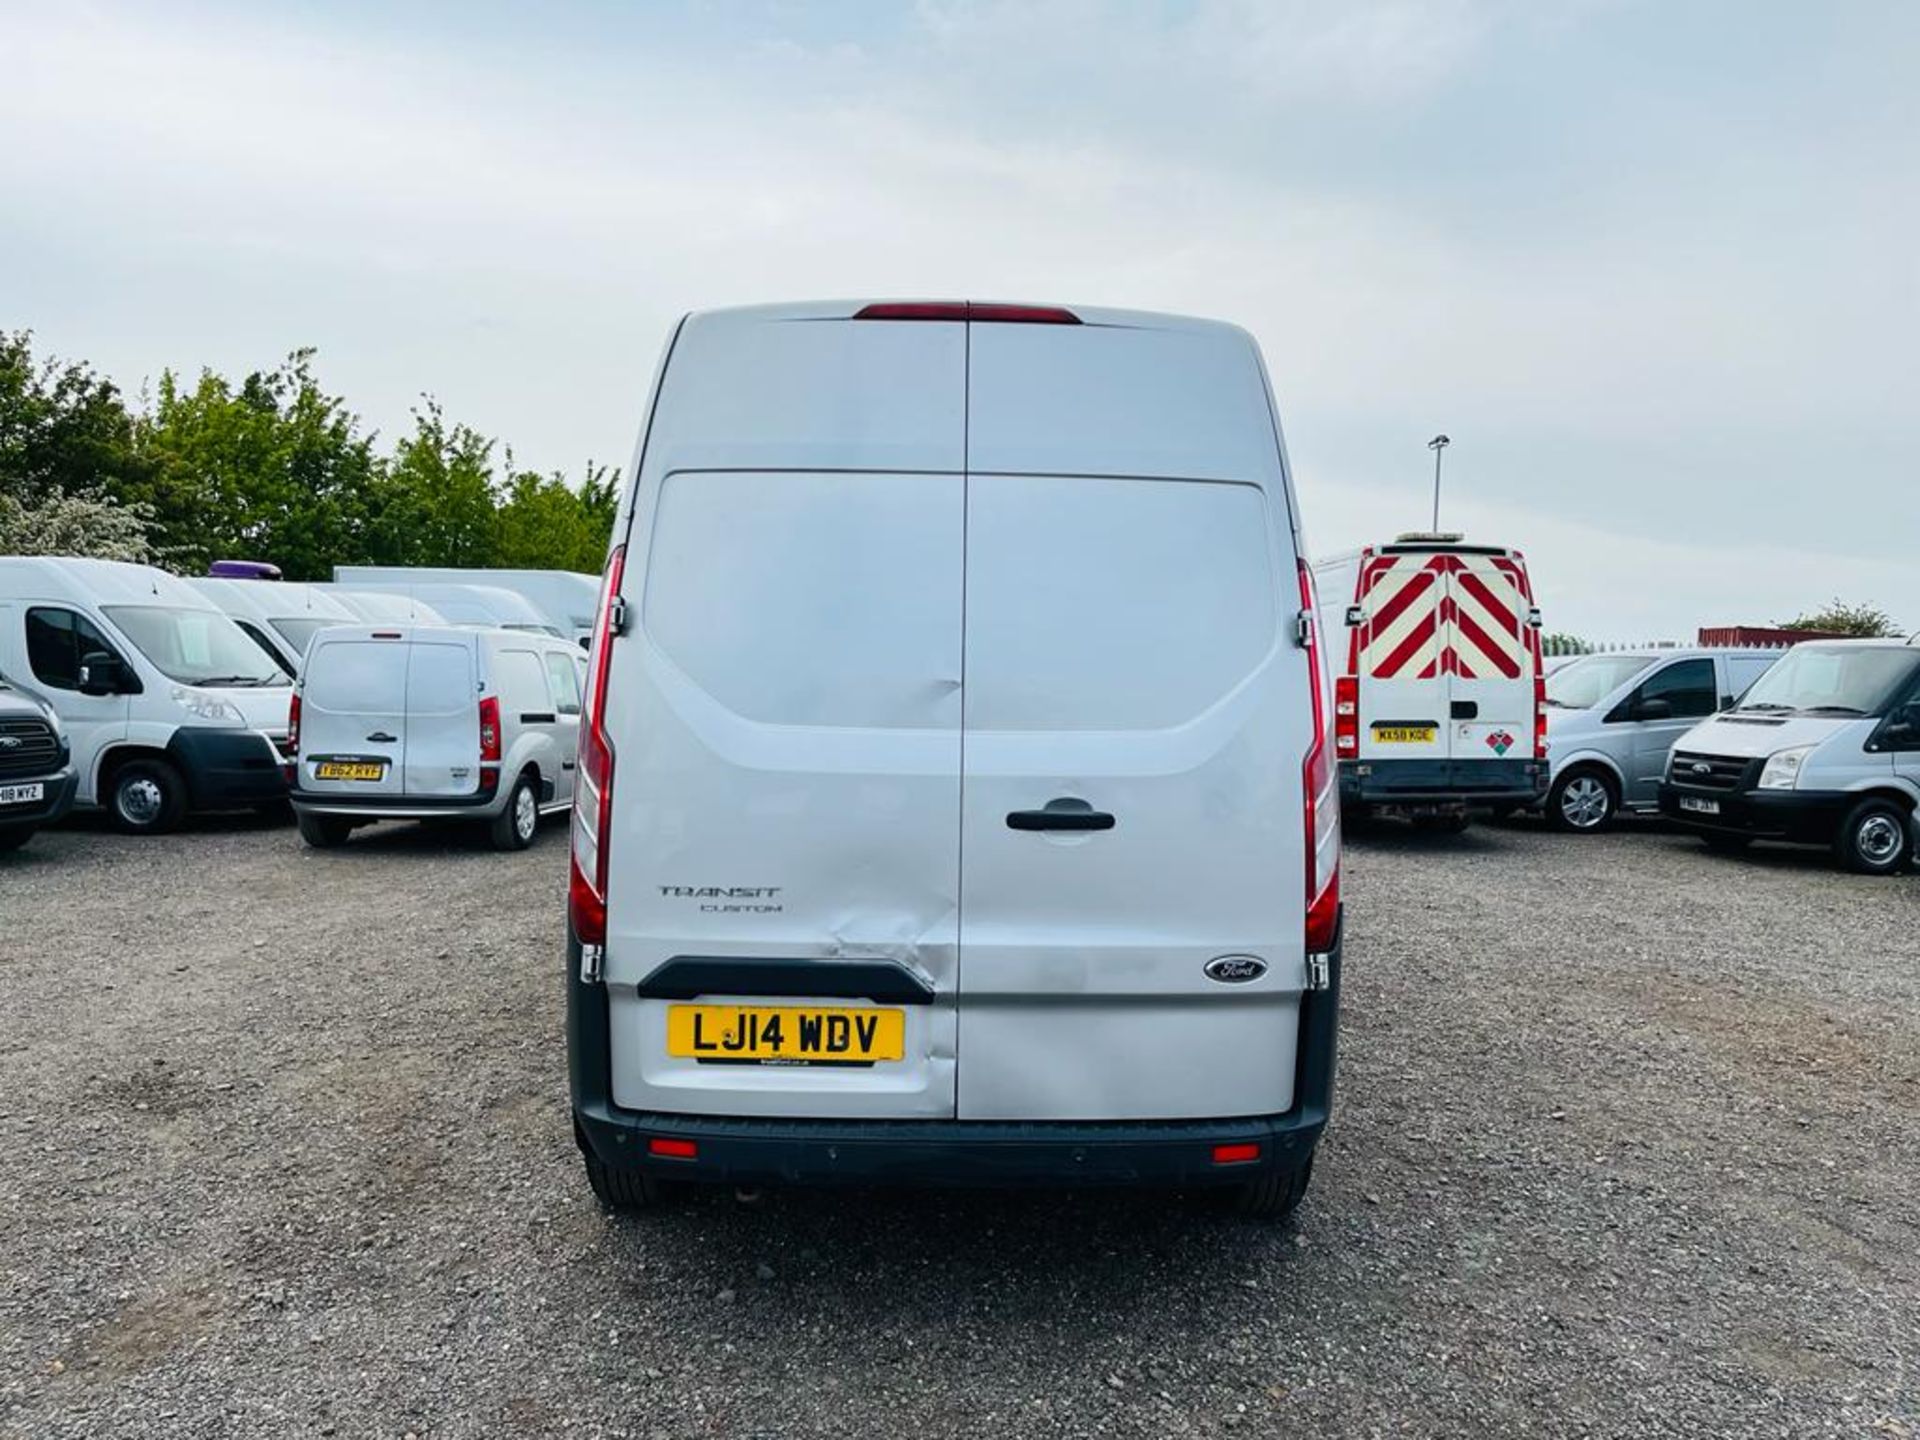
(57, 641)
(564, 684)
(1687, 686)
(522, 682)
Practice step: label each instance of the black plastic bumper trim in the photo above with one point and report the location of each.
(688, 977)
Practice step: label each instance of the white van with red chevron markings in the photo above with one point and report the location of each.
(1438, 687)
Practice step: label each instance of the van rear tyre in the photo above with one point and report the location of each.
(323, 832)
(514, 827)
(1274, 1197)
(1583, 802)
(622, 1189)
(1875, 838)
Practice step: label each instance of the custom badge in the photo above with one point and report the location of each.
(1500, 741)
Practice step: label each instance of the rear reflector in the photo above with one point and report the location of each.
(673, 1149)
(968, 310)
(1235, 1154)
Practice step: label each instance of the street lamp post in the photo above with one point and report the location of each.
(1437, 444)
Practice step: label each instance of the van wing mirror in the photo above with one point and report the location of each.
(1533, 617)
(1652, 710)
(1355, 616)
(101, 674)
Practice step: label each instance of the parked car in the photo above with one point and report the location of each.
(1611, 719)
(1823, 750)
(279, 616)
(36, 767)
(484, 606)
(1437, 691)
(379, 607)
(783, 762)
(564, 598)
(167, 704)
(431, 722)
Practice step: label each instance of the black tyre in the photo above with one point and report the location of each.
(1583, 801)
(146, 797)
(514, 827)
(622, 1189)
(323, 832)
(14, 839)
(1276, 1196)
(1875, 838)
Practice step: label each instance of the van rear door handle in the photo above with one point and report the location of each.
(1062, 814)
(380, 737)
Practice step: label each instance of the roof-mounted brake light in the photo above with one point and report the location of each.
(967, 310)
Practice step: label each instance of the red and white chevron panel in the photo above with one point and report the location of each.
(1431, 615)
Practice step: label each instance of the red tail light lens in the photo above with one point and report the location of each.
(1539, 716)
(1320, 785)
(1346, 717)
(593, 779)
(1240, 1154)
(967, 310)
(293, 724)
(490, 730)
(670, 1149)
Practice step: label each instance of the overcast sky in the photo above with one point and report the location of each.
(1654, 267)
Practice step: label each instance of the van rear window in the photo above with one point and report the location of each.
(358, 677)
(810, 598)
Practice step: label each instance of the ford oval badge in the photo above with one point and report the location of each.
(1235, 969)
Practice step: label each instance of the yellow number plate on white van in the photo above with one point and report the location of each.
(795, 1034)
(348, 770)
(1405, 734)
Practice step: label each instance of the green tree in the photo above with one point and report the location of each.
(1865, 621)
(435, 502)
(275, 469)
(544, 523)
(90, 524)
(1561, 643)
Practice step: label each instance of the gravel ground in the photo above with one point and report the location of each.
(1626, 1145)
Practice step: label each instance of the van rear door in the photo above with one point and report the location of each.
(443, 717)
(1137, 711)
(1402, 644)
(1489, 657)
(784, 712)
(353, 714)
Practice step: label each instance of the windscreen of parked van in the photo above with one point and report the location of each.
(299, 630)
(1097, 604)
(196, 647)
(1834, 680)
(810, 598)
(1584, 683)
(359, 677)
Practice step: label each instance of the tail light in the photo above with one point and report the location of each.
(293, 724)
(1346, 717)
(972, 310)
(490, 730)
(1320, 787)
(1539, 716)
(593, 779)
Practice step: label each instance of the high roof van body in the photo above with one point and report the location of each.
(168, 706)
(280, 616)
(955, 798)
(467, 603)
(381, 608)
(564, 598)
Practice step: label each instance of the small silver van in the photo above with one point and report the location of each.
(1823, 750)
(1612, 718)
(429, 722)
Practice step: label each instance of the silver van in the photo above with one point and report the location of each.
(427, 722)
(1611, 719)
(1823, 750)
(957, 795)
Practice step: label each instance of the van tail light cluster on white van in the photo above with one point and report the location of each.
(1320, 787)
(593, 780)
(291, 768)
(1539, 716)
(968, 310)
(1346, 717)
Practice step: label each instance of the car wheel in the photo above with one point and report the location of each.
(147, 797)
(514, 827)
(323, 832)
(1274, 1197)
(14, 839)
(622, 1189)
(1582, 802)
(1874, 838)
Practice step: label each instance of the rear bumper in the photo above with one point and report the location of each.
(1805, 817)
(227, 769)
(484, 806)
(954, 1153)
(1428, 782)
(51, 807)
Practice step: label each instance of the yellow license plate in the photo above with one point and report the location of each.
(1405, 734)
(348, 770)
(791, 1034)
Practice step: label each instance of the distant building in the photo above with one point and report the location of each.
(1761, 636)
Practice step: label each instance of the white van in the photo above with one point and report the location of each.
(1823, 750)
(280, 616)
(564, 598)
(379, 608)
(168, 705)
(484, 606)
(434, 723)
(1612, 718)
(956, 804)
(1438, 683)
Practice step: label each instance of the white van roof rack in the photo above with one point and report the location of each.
(1430, 537)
